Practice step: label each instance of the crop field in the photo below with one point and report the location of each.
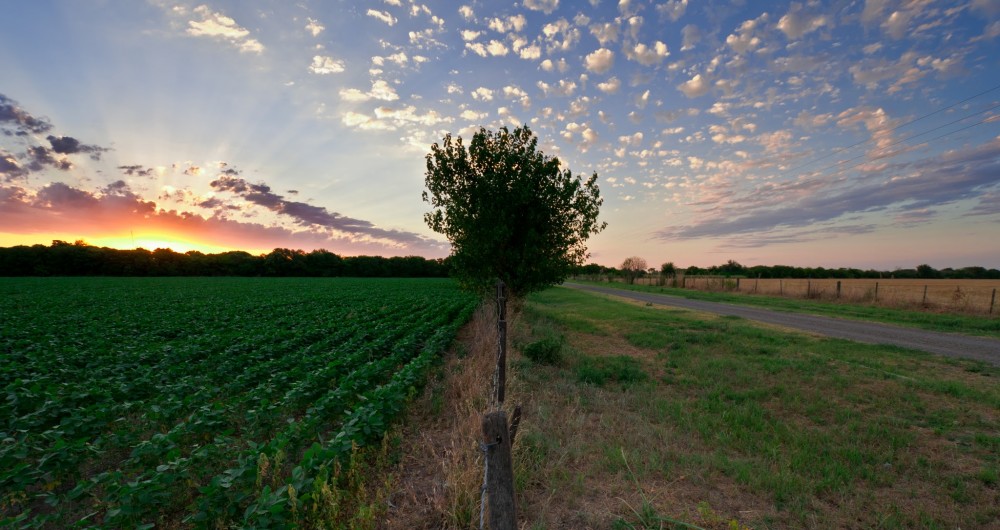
(203, 403)
(959, 296)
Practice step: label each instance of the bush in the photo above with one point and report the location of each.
(546, 351)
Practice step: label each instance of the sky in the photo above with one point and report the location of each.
(852, 133)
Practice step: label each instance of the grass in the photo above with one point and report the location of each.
(948, 322)
(663, 418)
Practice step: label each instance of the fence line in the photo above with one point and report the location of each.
(961, 296)
(498, 437)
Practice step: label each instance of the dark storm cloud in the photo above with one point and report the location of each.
(22, 123)
(67, 145)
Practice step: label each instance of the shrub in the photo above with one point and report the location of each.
(546, 351)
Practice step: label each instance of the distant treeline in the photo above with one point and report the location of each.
(81, 259)
(733, 269)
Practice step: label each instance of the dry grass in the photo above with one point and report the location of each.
(440, 473)
(957, 296)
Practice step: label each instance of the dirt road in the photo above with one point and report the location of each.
(948, 344)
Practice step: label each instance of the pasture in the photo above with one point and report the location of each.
(650, 417)
(206, 402)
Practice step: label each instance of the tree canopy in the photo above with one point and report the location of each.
(509, 211)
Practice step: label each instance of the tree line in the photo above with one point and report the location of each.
(81, 259)
(635, 267)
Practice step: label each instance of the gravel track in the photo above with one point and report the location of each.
(947, 344)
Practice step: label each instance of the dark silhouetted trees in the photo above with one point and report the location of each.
(80, 259)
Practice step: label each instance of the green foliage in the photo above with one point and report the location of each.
(610, 369)
(508, 210)
(223, 402)
(548, 350)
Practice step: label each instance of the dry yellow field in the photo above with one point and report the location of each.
(967, 296)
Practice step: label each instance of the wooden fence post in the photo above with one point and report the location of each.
(876, 291)
(838, 289)
(809, 284)
(993, 300)
(737, 284)
(781, 287)
(924, 301)
(499, 472)
(502, 340)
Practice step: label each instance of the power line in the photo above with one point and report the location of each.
(949, 133)
(897, 142)
(929, 114)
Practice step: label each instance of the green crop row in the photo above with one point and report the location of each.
(132, 402)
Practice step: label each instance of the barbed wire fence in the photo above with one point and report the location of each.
(498, 437)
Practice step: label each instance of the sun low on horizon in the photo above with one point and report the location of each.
(179, 243)
(838, 134)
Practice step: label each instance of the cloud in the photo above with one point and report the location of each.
(695, 87)
(599, 61)
(23, 123)
(610, 86)
(10, 168)
(691, 36)
(136, 170)
(745, 38)
(647, 55)
(309, 215)
(314, 27)
(219, 26)
(59, 208)
(795, 23)
(673, 9)
(482, 94)
(605, 32)
(530, 52)
(545, 6)
(384, 16)
(324, 65)
(67, 145)
(943, 179)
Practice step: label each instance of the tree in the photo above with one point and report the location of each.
(632, 267)
(508, 210)
(926, 271)
(667, 270)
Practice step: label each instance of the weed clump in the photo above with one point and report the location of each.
(548, 350)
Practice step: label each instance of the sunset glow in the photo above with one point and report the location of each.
(837, 134)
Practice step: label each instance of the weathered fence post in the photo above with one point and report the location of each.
(499, 472)
(809, 289)
(502, 340)
(876, 291)
(838, 289)
(781, 287)
(993, 300)
(498, 437)
(924, 301)
(737, 284)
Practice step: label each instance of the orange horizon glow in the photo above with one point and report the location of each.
(144, 240)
